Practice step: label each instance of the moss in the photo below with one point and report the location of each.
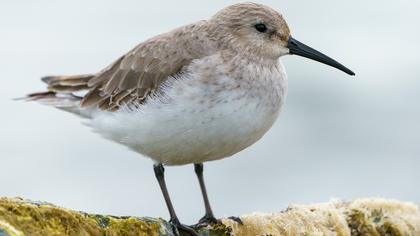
(369, 217)
(8, 230)
(38, 219)
(374, 220)
(131, 226)
(42, 220)
(389, 229)
(102, 221)
(360, 225)
(216, 230)
(19, 217)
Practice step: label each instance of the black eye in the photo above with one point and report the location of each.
(261, 27)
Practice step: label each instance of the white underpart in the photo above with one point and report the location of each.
(195, 121)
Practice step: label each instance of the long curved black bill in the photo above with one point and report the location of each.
(300, 49)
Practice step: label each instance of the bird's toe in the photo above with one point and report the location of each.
(236, 219)
(178, 227)
(207, 220)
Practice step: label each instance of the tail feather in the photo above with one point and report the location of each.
(67, 84)
(61, 91)
(50, 98)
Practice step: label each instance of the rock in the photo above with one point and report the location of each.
(360, 217)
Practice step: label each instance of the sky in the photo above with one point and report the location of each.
(337, 136)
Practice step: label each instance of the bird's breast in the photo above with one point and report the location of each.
(201, 118)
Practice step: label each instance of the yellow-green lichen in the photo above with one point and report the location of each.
(389, 229)
(371, 217)
(32, 218)
(131, 226)
(216, 230)
(8, 230)
(360, 224)
(375, 222)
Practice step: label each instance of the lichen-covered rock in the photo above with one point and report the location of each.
(360, 217)
(19, 217)
(382, 217)
(370, 217)
(24, 217)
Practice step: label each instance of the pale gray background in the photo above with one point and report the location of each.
(337, 137)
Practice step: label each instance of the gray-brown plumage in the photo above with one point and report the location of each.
(140, 72)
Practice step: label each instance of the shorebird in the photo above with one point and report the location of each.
(199, 93)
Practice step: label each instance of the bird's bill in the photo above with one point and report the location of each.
(300, 49)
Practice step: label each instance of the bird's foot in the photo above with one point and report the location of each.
(207, 220)
(236, 219)
(178, 227)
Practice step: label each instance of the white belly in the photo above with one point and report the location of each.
(191, 124)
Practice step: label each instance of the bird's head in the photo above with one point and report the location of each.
(259, 31)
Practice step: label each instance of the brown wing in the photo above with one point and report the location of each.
(139, 73)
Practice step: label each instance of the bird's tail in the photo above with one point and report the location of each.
(62, 92)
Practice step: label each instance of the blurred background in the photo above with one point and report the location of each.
(337, 137)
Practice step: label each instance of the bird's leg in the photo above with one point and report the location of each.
(159, 172)
(208, 217)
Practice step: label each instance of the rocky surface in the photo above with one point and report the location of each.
(359, 217)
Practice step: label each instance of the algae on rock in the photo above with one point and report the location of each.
(360, 217)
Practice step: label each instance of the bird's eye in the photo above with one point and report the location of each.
(260, 27)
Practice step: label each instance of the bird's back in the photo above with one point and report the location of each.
(132, 78)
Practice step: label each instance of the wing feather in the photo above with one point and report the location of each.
(141, 71)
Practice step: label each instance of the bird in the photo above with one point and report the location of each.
(201, 92)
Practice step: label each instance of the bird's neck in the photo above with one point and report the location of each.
(243, 57)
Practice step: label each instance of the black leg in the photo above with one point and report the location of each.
(159, 172)
(208, 217)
